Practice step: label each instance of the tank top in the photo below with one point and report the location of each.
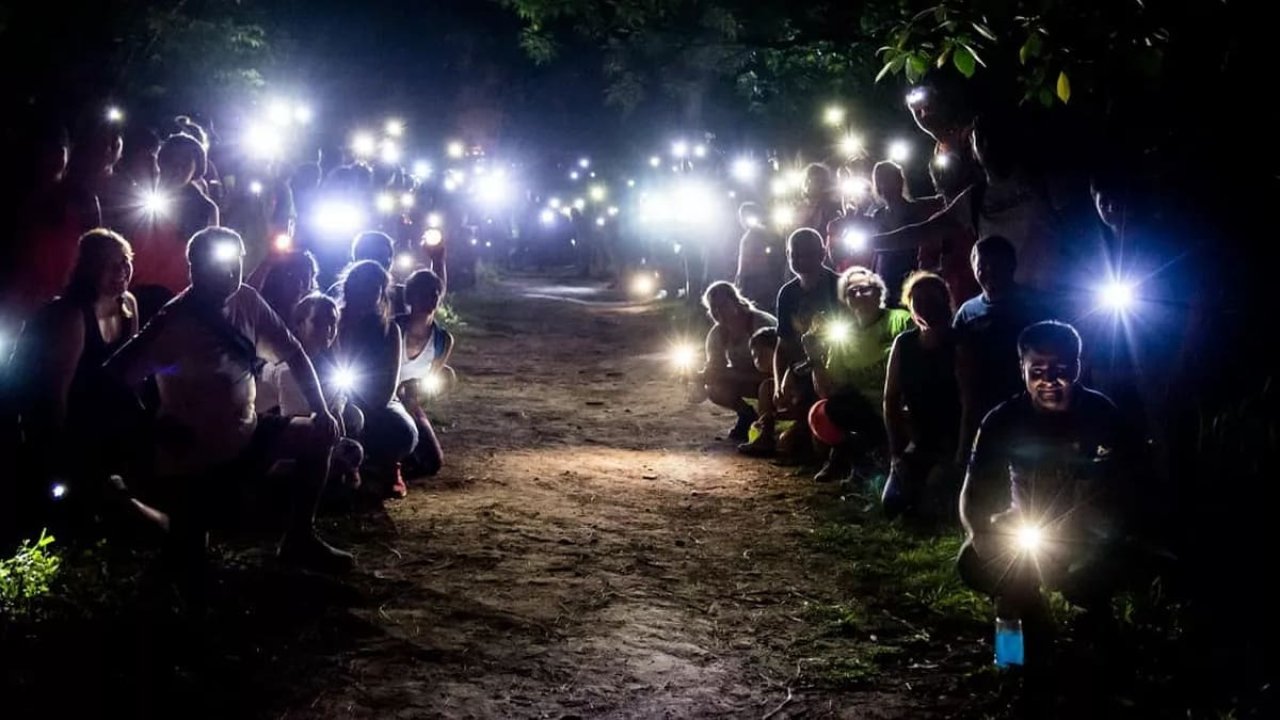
(928, 379)
(418, 368)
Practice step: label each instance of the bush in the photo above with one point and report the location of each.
(27, 575)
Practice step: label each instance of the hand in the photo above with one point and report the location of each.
(326, 427)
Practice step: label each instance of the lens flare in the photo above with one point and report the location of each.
(433, 384)
(684, 356)
(856, 239)
(115, 114)
(303, 115)
(406, 200)
(455, 149)
(784, 215)
(432, 237)
(344, 379)
(405, 261)
(584, 163)
(385, 203)
(422, 168)
(547, 216)
(745, 170)
(833, 115)
(389, 153)
(283, 242)
(225, 252)
(340, 217)
(263, 142)
(916, 96)
(680, 149)
(655, 161)
(155, 204)
(899, 151)
(597, 193)
(58, 491)
(1030, 538)
(363, 144)
(855, 187)
(851, 145)
(644, 286)
(435, 220)
(395, 127)
(1117, 296)
(837, 331)
(255, 187)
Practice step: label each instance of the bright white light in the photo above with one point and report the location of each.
(432, 237)
(833, 115)
(58, 490)
(406, 200)
(597, 193)
(795, 179)
(591, 174)
(455, 149)
(784, 216)
(547, 216)
(850, 145)
(493, 190)
(631, 183)
(752, 221)
(679, 149)
(283, 242)
(115, 114)
(600, 221)
(554, 203)
(613, 211)
(732, 194)
(385, 203)
(263, 142)
(303, 115)
(745, 170)
(422, 168)
(1030, 538)
(395, 127)
(916, 96)
(432, 384)
(855, 187)
(405, 261)
(700, 151)
(225, 252)
(278, 113)
(684, 356)
(255, 187)
(363, 144)
(450, 184)
(579, 203)
(339, 216)
(155, 204)
(390, 152)
(856, 239)
(675, 248)
(584, 163)
(435, 220)
(779, 186)
(941, 160)
(488, 243)
(837, 331)
(1117, 296)
(574, 175)
(344, 379)
(899, 151)
(643, 286)
(655, 161)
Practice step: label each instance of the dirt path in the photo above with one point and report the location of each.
(592, 549)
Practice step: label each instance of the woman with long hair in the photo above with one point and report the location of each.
(426, 371)
(730, 375)
(369, 351)
(68, 412)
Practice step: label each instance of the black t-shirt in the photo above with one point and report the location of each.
(928, 379)
(989, 332)
(1057, 468)
(797, 307)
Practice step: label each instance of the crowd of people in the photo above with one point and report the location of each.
(145, 372)
(947, 342)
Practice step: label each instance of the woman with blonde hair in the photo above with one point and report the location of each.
(730, 375)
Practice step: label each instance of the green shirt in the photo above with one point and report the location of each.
(860, 362)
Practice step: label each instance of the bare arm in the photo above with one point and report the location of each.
(968, 413)
(304, 374)
(443, 358)
(59, 359)
(895, 421)
(910, 237)
(986, 484)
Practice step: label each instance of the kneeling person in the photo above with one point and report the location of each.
(206, 349)
(1044, 501)
(730, 375)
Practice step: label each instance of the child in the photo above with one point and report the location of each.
(763, 343)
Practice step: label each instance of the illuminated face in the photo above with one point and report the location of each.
(929, 307)
(1110, 208)
(805, 255)
(863, 298)
(319, 329)
(723, 308)
(117, 271)
(1050, 379)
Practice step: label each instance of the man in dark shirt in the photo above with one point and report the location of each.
(987, 328)
(1045, 498)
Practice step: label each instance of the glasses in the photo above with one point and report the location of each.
(862, 291)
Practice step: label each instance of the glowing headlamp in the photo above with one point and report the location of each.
(363, 144)
(115, 114)
(784, 215)
(899, 151)
(745, 170)
(856, 239)
(584, 163)
(226, 251)
(455, 149)
(394, 127)
(850, 145)
(916, 96)
(597, 193)
(547, 216)
(680, 149)
(655, 161)
(422, 168)
(833, 115)
(432, 237)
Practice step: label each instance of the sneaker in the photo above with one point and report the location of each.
(741, 431)
(762, 446)
(312, 553)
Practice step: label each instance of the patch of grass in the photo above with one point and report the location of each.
(905, 567)
(448, 316)
(862, 664)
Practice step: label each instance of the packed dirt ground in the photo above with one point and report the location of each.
(594, 548)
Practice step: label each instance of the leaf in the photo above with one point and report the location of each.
(984, 31)
(942, 58)
(963, 60)
(1031, 48)
(977, 58)
(1046, 97)
(917, 66)
(1064, 87)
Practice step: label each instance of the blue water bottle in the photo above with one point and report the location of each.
(1009, 649)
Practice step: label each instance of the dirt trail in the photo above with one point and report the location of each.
(592, 549)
